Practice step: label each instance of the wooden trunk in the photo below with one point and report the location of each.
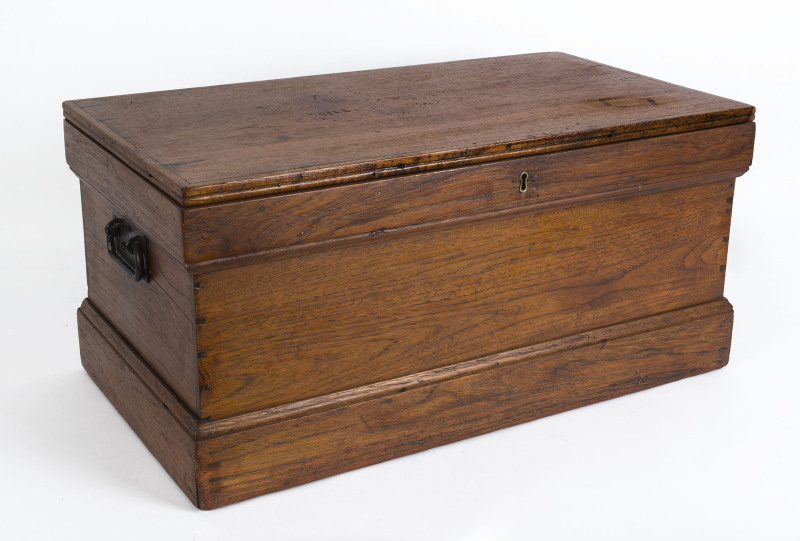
(343, 269)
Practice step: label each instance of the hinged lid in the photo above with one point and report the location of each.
(206, 145)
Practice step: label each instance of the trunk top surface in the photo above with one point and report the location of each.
(221, 143)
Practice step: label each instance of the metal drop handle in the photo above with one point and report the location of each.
(128, 248)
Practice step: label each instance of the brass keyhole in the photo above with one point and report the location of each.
(523, 182)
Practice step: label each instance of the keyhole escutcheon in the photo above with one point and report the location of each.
(523, 181)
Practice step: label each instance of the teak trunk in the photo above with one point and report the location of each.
(291, 279)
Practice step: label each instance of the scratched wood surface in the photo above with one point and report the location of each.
(211, 144)
(222, 465)
(561, 179)
(635, 356)
(144, 206)
(155, 316)
(311, 322)
(159, 418)
(344, 268)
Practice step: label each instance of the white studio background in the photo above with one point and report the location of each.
(711, 457)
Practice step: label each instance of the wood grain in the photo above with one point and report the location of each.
(247, 421)
(212, 144)
(562, 179)
(317, 321)
(344, 269)
(218, 467)
(248, 463)
(149, 210)
(152, 316)
(158, 417)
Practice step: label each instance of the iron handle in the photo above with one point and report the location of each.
(128, 248)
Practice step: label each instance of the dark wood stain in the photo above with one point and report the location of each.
(348, 268)
(146, 207)
(235, 141)
(157, 416)
(219, 463)
(154, 316)
(235, 467)
(559, 179)
(315, 321)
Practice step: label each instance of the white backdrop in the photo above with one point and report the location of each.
(712, 457)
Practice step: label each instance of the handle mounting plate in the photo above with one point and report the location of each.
(128, 248)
